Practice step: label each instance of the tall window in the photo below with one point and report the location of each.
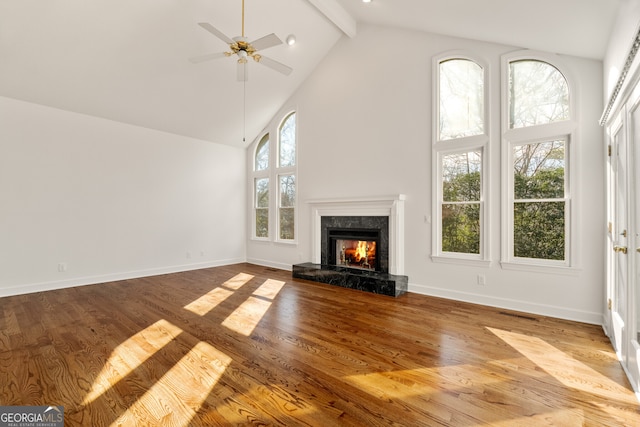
(261, 188)
(275, 185)
(537, 158)
(287, 178)
(286, 208)
(460, 146)
(461, 202)
(539, 203)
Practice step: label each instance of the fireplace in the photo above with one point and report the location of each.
(340, 226)
(360, 242)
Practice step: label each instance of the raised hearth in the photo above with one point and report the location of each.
(363, 280)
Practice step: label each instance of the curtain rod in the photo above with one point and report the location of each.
(623, 75)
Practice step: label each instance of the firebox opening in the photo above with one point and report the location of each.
(354, 248)
(356, 253)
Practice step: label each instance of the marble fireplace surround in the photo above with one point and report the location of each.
(389, 206)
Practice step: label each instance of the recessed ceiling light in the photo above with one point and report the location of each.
(291, 39)
(366, 1)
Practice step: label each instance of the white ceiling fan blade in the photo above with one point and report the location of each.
(243, 71)
(215, 32)
(275, 65)
(266, 42)
(203, 58)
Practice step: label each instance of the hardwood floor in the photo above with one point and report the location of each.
(248, 345)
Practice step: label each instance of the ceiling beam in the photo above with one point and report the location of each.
(336, 14)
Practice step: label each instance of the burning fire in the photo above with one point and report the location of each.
(358, 253)
(361, 251)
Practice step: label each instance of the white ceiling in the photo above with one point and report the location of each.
(572, 27)
(127, 60)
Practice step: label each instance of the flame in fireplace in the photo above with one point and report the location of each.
(361, 251)
(356, 253)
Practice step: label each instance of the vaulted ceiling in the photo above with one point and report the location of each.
(127, 60)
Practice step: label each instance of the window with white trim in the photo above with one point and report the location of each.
(461, 202)
(539, 200)
(460, 148)
(536, 163)
(274, 186)
(261, 189)
(286, 171)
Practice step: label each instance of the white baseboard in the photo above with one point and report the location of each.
(510, 304)
(112, 277)
(267, 263)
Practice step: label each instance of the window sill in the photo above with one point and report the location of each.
(460, 260)
(539, 268)
(260, 239)
(277, 242)
(286, 242)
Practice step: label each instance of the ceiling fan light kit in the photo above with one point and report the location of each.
(243, 49)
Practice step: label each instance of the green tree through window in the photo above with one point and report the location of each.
(262, 207)
(261, 188)
(287, 178)
(461, 192)
(539, 205)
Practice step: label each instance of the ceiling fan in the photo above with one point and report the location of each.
(243, 49)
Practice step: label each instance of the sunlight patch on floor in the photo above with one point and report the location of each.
(564, 368)
(130, 354)
(402, 384)
(216, 296)
(269, 289)
(246, 317)
(174, 400)
(564, 417)
(11, 326)
(238, 281)
(208, 301)
(471, 381)
(269, 399)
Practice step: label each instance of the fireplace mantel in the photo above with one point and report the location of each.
(390, 206)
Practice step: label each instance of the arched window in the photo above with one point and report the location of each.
(538, 94)
(287, 142)
(460, 155)
(461, 99)
(538, 136)
(274, 173)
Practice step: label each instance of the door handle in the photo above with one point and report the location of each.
(622, 249)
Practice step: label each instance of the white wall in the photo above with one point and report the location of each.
(110, 200)
(364, 129)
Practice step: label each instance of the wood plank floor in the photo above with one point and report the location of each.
(248, 345)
